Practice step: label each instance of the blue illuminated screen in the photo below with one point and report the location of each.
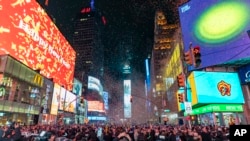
(217, 87)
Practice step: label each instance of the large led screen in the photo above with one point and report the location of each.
(127, 96)
(62, 99)
(77, 87)
(97, 106)
(219, 28)
(215, 87)
(95, 84)
(28, 34)
(55, 99)
(244, 74)
(70, 102)
(105, 97)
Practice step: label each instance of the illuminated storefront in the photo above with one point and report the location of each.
(216, 98)
(244, 74)
(31, 37)
(21, 92)
(220, 114)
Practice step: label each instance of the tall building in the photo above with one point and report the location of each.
(162, 45)
(87, 44)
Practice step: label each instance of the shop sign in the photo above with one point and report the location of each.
(45, 105)
(244, 74)
(217, 108)
(38, 80)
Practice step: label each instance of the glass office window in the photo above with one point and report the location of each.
(2, 63)
(16, 68)
(1, 105)
(7, 106)
(31, 74)
(22, 74)
(22, 108)
(15, 107)
(37, 110)
(9, 65)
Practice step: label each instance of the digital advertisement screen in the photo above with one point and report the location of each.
(219, 28)
(55, 99)
(94, 80)
(97, 118)
(95, 106)
(62, 98)
(70, 102)
(215, 87)
(105, 97)
(28, 34)
(244, 74)
(95, 84)
(147, 74)
(127, 96)
(77, 87)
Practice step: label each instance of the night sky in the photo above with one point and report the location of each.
(124, 17)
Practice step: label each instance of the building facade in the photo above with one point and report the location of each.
(87, 44)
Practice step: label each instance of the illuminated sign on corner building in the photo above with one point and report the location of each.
(217, 108)
(244, 74)
(215, 87)
(30, 36)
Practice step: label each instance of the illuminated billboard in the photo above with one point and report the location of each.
(105, 97)
(127, 96)
(55, 99)
(173, 68)
(97, 106)
(77, 87)
(244, 74)
(28, 34)
(70, 102)
(95, 84)
(62, 98)
(215, 87)
(219, 28)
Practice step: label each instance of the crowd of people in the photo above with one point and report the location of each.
(109, 132)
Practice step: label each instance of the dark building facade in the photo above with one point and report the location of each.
(87, 44)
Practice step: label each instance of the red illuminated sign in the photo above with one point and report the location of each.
(29, 35)
(86, 10)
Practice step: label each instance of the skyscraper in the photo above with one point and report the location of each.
(87, 43)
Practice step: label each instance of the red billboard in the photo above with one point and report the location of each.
(28, 34)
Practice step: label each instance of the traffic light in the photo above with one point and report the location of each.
(181, 80)
(188, 58)
(181, 98)
(197, 56)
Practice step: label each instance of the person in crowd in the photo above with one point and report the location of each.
(1, 133)
(205, 135)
